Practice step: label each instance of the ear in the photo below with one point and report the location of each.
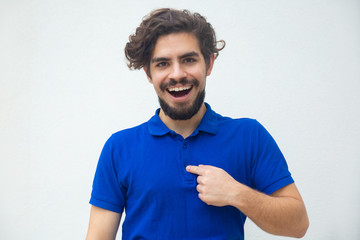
(211, 64)
(148, 76)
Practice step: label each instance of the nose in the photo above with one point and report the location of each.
(177, 72)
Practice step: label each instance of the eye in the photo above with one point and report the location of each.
(189, 60)
(162, 64)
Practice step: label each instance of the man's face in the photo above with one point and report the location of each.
(178, 73)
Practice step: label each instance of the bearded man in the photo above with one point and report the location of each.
(188, 172)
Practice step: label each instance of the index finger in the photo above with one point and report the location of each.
(194, 169)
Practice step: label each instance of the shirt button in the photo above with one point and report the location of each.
(184, 146)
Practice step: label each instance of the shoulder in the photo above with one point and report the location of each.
(238, 129)
(128, 135)
(242, 123)
(126, 140)
(131, 132)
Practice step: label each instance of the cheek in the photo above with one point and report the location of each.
(156, 82)
(158, 76)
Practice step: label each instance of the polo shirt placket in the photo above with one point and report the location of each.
(185, 157)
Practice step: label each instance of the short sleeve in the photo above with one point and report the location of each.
(269, 168)
(107, 192)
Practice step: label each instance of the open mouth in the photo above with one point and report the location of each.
(179, 91)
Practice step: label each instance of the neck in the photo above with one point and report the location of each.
(183, 127)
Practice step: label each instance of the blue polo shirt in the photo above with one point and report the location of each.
(142, 170)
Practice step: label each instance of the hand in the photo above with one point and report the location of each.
(283, 213)
(215, 186)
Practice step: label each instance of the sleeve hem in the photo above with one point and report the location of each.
(278, 184)
(106, 205)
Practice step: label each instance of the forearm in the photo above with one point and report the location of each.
(103, 224)
(279, 215)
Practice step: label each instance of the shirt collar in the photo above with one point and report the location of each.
(208, 124)
(156, 126)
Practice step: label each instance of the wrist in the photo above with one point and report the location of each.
(237, 194)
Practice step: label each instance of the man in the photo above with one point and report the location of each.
(189, 173)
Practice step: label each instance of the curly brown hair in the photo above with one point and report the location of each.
(165, 21)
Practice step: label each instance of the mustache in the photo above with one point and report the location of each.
(182, 81)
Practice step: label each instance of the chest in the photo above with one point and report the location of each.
(158, 166)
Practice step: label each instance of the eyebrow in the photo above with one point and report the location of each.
(189, 54)
(164, 59)
(159, 59)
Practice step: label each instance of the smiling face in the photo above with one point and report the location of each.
(178, 74)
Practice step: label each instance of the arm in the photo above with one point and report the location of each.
(282, 213)
(103, 224)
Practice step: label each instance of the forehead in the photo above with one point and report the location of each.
(176, 44)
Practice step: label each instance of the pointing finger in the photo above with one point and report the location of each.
(193, 169)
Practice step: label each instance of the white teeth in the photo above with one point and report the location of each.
(178, 89)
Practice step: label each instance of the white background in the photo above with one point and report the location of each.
(64, 88)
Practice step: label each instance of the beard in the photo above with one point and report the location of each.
(183, 112)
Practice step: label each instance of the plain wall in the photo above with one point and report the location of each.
(65, 87)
